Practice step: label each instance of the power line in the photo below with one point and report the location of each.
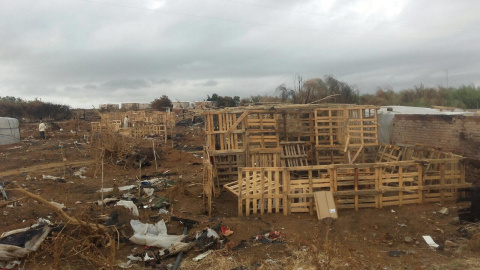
(244, 22)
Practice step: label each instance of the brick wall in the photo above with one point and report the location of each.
(450, 133)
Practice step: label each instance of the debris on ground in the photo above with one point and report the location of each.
(226, 231)
(270, 237)
(154, 235)
(129, 205)
(444, 211)
(55, 178)
(202, 256)
(19, 243)
(80, 173)
(428, 239)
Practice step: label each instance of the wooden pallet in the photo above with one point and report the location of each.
(293, 154)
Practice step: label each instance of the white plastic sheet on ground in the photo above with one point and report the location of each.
(154, 235)
(129, 205)
(12, 252)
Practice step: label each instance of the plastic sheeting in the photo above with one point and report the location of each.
(9, 130)
(19, 243)
(154, 235)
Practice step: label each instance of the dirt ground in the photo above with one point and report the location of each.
(389, 238)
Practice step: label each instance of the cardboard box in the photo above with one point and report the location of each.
(325, 205)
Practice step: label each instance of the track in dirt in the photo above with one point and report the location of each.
(43, 167)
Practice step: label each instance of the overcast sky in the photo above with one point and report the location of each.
(83, 53)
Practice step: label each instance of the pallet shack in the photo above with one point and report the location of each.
(275, 158)
(142, 123)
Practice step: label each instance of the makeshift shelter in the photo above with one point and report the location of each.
(9, 130)
(274, 158)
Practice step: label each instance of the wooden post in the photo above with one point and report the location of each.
(154, 155)
(240, 195)
(310, 187)
(420, 183)
(262, 190)
(355, 179)
(400, 185)
(442, 182)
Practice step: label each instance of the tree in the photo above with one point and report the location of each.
(161, 103)
(224, 101)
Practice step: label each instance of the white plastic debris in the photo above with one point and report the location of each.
(124, 188)
(59, 205)
(211, 233)
(50, 177)
(107, 200)
(202, 256)
(134, 258)
(129, 205)
(430, 241)
(147, 258)
(443, 211)
(162, 211)
(149, 191)
(154, 235)
(13, 252)
(80, 173)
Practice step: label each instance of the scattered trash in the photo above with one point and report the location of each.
(107, 201)
(408, 240)
(162, 202)
(163, 211)
(202, 256)
(393, 211)
(134, 258)
(226, 231)
(124, 188)
(80, 173)
(444, 211)
(55, 178)
(189, 223)
(18, 243)
(59, 205)
(2, 190)
(129, 205)
(148, 191)
(455, 220)
(428, 239)
(271, 237)
(402, 224)
(396, 253)
(153, 235)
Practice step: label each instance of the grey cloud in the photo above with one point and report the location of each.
(90, 86)
(161, 81)
(125, 84)
(112, 54)
(207, 83)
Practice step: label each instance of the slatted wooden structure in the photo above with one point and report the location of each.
(293, 154)
(376, 185)
(266, 136)
(142, 123)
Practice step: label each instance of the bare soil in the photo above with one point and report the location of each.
(366, 239)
